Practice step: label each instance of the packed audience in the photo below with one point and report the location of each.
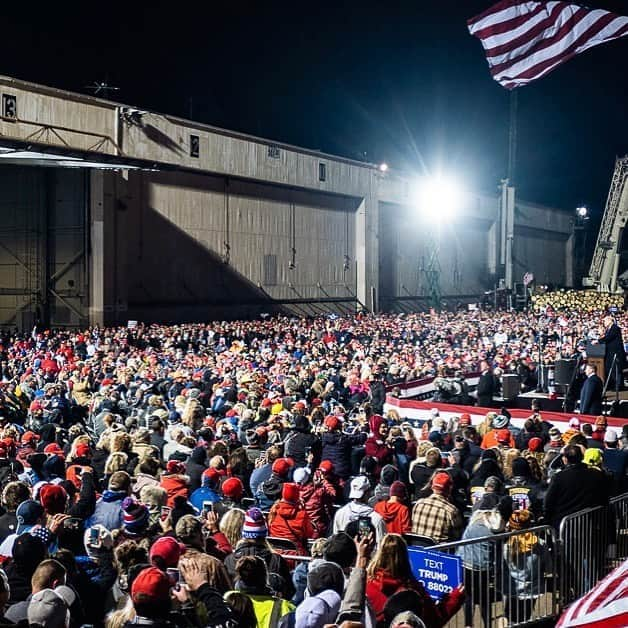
(247, 473)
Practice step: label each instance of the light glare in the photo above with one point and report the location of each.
(439, 198)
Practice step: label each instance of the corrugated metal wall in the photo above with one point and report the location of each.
(42, 245)
(404, 249)
(197, 246)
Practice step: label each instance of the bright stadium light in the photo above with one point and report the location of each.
(582, 211)
(383, 167)
(438, 198)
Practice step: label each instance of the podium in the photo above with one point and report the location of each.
(596, 355)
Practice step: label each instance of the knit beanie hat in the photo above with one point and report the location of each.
(388, 475)
(254, 526)
(134, 516)
(398, 489)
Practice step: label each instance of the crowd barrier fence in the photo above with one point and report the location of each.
(523, 578)
(510, 579)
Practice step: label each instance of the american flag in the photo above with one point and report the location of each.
(605, 606)
(525, 40)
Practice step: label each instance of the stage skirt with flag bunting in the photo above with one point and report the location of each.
(524, 41)
(605, 606)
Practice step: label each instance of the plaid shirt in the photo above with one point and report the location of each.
(436, 518)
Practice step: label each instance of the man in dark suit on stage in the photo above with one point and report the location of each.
(615, 358)
(591, 392)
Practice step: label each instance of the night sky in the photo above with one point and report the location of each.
(401, 82)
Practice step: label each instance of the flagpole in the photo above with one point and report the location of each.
(512, 138)
(508, 196)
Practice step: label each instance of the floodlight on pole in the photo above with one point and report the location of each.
(383, 167)
(437, 200)
(582, 211)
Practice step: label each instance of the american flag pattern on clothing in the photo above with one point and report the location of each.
(524, 41)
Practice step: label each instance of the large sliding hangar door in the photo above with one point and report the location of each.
(43, 247)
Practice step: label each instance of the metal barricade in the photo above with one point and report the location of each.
(618, 511)
(584, 538)
(510, 579)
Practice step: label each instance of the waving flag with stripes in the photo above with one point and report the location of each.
(524, 41)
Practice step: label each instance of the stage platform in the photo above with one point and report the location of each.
(420, 410)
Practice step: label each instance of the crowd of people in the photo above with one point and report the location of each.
(179, 475)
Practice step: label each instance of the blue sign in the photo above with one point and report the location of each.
(439, 573)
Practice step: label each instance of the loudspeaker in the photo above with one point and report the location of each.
(510, 386)
(563, 372)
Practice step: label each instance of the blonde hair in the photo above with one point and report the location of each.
(231, 525)
(509, 457)
(120, 441)
(118, 618)
(391, 557)
(116, 461)
(193, 414)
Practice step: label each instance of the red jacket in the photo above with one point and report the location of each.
(378, 449)
(175, 485)
(434, 615)
(289, 521)
(396, 516)
(318, 500)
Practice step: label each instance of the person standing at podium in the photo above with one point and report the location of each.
(615, 357)
(591, 392)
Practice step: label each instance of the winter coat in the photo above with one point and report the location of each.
(195, 467)
(396, 516)
(176, 485)
(269, 492)
(318, 500)
(490, 439)
(526, 494)
(337, 448)
(298, 441)
(94, 582)
(379, 450)
(352, 512)
(380, 588)
(108, 511)
(275, 564)
(575, 488)
(291, 521)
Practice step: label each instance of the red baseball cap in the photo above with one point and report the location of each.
(465, 419)
(54, 449)
(233, 488)
(441, 482)
(150, 585)
(326, 466)
(29, 436)
(168, 549)
(503, 436)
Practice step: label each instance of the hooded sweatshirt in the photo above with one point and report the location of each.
(396, 516)
(290, 521)
(383, 585)
(376, 447)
